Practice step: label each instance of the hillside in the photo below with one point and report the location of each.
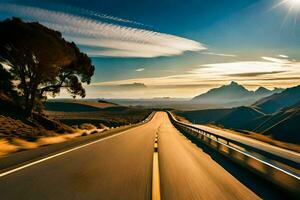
(13, 124)
(204, 116)
(96, 113)
(278, 101)
(282, 125)
(239, 117)
(287, 128)
(236, 118)
(233, 95)
(77, 105)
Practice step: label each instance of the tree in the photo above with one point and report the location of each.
(6, 85)
(42, 61)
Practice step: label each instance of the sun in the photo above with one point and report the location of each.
(293, 10)
(295, 3)
(292, 4)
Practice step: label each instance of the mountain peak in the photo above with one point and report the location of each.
(235, 86)
(262, 89)
(231, 92)
(234, 83)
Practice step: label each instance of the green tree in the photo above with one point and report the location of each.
(42, 61)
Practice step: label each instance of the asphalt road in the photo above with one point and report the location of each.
(189, 173)
(117, 168)
(120, 167)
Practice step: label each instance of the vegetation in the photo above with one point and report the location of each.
(40, 62)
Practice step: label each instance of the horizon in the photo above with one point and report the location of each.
(168, 97)
(253, 42)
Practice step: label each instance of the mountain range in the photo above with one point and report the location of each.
(278, 101)
(234, 95)
(277, 116)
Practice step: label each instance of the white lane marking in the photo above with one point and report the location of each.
(61, 153)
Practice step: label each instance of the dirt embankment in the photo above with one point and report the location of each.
(16, 135)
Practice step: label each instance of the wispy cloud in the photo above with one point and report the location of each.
(107, 39)
(277, 60)
(255, 74)
(104, 16)
(283, 56)
(218, 54)
(140, 69)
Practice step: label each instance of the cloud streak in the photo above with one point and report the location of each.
(107, 39)
(219, 54)
(105, 16)
(283, 56)
(255, 74)
(277, 60)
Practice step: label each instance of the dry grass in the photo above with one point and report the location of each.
(23, 144)
(87, 126)
(6, 147)
(18, 144)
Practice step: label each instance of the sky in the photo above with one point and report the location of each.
(175, 48)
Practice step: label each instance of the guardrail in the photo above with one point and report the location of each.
(256, 160)
(150, 116)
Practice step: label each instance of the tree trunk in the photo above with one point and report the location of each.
(31, 101)
(26, 104)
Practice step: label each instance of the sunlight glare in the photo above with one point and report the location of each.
(294, 3)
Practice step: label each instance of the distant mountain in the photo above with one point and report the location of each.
(262, 91)
(233, 95)
(133, 86)
(277, 115)
(278, 101)
(231, 91)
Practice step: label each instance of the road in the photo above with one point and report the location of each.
(189, 173)
(120, 167)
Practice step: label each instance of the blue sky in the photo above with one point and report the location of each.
(176, 48)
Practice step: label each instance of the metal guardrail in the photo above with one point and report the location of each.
(256, 160)
(150, 116)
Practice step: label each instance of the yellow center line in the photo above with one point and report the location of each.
(155, 173)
